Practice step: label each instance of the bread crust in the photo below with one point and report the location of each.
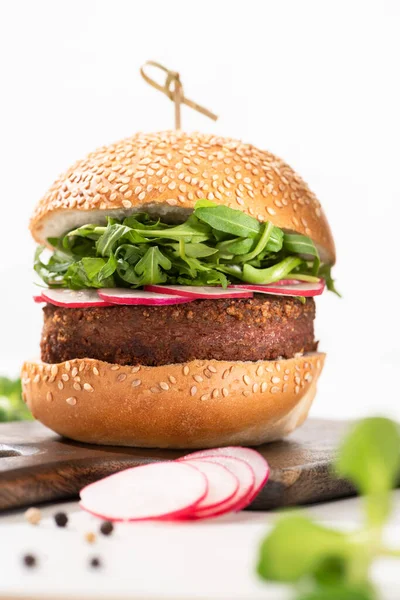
(165, 174)
(199, 404)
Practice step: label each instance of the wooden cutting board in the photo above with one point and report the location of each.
(36, 465)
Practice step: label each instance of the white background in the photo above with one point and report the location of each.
(315, 82)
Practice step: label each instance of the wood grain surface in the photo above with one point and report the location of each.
(36, 465)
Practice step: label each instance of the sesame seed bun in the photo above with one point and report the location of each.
(198, 404)
(165, 173)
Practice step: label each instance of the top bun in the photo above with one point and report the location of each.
(165, 173)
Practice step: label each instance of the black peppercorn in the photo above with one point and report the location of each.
(29, 560)
(95, 562)
(106, 528)
(61, 519)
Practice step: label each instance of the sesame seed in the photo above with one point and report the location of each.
(193, 390)
(135, 369)
(198, 378)
(36, 378)
(275, 379)
(246, 379)
(172, 379)
(49, 396)
(121, 377)
(95, 371)
(67, 366)
(186, 370)
(204, 397)
(74, 372)
(77, 386)
(264, 386)
(71, 401)
(274, 389)
(60, 385)
(33, 516)
(154, 390)
(247, 394)
(215, 393)
(90, 537)
(259, 371)
(54, 370)
(88, 387)
(296, 389)
(225, 392)
(164, 386)
(307, 376)
(136, 382)
(212, 369)
(114, 368)
(81, 367)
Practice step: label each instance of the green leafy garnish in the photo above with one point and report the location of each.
(216, 245)
(326, 564)
(12, 407)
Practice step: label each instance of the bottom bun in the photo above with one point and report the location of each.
(199, 404)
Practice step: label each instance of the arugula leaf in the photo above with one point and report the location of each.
(229, 220)
(150, 267)
(296, 243)
(271, 274)
(216, 245)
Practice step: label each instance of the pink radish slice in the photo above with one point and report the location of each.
(123, 296)
(73, 298)
(38, 298)
(222, 485)
(251, 457)
(245, 475)
(195, 292)
(167, 490)
(303, 288)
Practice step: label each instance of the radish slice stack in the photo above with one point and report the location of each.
(200, 485)
(159, 295)
(155, 491)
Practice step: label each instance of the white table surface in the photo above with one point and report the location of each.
(211, 560)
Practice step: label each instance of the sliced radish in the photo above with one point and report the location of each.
(222, 485)
(167, 490)
(38, 298)
(284, 288)
(125, 296)
(73, 298)
(245, 475)
(195, 292)
(251, 457)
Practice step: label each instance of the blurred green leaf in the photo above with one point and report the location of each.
(297, 547)
(369, 456)
(340, 592)
(12, 407)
